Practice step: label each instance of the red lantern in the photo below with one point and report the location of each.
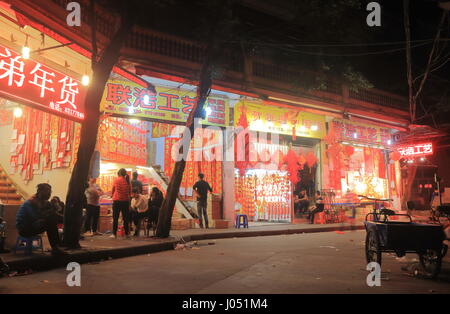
(310, 159)
(293, 166)
(301, 160)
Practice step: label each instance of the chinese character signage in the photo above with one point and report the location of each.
(271, 119)
(346, 130)
(34, 83)
(416, 150)
(168, 104)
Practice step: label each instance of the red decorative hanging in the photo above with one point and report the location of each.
(395, 156)
(301, 160)
(349, 150)
(310, 159)
(242, 165)
(292, 166)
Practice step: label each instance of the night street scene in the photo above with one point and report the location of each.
(224, 153)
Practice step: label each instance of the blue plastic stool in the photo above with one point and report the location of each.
(28, 247)
(241, 222)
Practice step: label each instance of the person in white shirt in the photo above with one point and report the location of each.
(93, 193)
(139, 207)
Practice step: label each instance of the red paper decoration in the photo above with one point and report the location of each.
(349, 150)
(301, 160)
(310, 159)
(395, 156)
(242, 165)
(293, 167)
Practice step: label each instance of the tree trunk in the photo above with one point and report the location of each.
(203, 90)
(88, 136)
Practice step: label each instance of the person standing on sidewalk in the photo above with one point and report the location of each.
(135, 183)
(154, 204)
(93, 193)
(201, 188)
(121, 192)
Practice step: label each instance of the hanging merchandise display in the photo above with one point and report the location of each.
(264, 195)
(357, 168)
(123, 141)
(209, 166)
(40, 141)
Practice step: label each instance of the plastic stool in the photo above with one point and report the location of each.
(241, 222)
(28, 247)
(319, 218)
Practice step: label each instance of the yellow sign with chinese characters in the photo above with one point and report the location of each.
(271, 119)
(167, 104)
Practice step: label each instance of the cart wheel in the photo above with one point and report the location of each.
(373, 251)
(431, 261)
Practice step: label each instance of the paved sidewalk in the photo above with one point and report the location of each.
(98, 248)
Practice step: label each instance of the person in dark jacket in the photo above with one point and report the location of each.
(320, 206)
(154, 204)
(201, 188)
(37, 215)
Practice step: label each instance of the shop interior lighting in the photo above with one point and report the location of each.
(85, 80)
(208, 111)
(285, 126)
(422, 159)
(26, 50)
(270, 124)
(303, 128)
(389, 142)
(355, 135)
(314, 128)
(18, 112)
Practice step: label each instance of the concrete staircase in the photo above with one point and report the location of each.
(8, 193)
(184, 217)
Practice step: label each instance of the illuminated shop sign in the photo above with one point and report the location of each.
(416, 150)
(168, 104)
(34, 83)
(269, 118)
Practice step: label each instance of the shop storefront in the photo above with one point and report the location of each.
(284, 156)
(141, 131)
(40, 110)
(359, 163)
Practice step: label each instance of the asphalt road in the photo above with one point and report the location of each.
(304, 263)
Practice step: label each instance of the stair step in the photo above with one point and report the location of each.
(7, 189)
(10, 196)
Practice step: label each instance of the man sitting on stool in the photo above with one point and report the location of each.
(37, 215)
(319, 207)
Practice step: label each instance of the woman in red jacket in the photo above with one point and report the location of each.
(121, 195)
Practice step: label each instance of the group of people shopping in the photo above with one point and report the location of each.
(302, 204)
(129, 202)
